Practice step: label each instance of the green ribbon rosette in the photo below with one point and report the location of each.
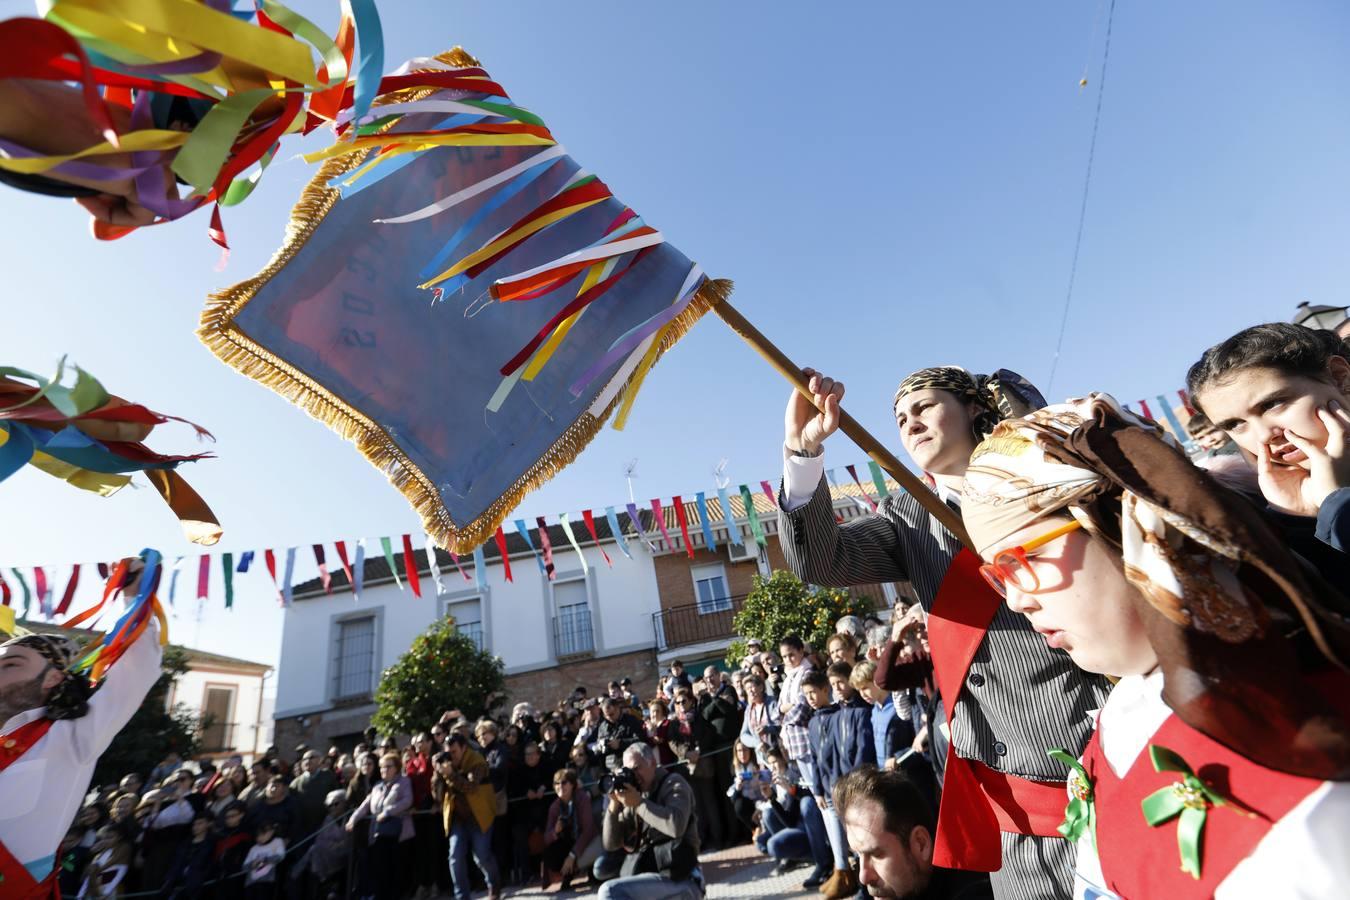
(1190, 799)
(1081, 813)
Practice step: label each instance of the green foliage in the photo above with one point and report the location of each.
(442, 670)
(781, 605)
(154, 730)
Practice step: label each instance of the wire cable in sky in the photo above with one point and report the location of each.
(1082, 210)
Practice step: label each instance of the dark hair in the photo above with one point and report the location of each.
(901, 802)
(569, 775)
(792, 641)
(1198, 424)
(774, 753)
(456, 738)
(752, 679)
(1288, 348)
(839, 670)
(815, 678)
(439, 757)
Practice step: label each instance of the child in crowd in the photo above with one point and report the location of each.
(1219, 762)
(822, 773)
(194, 864)
(260, 866)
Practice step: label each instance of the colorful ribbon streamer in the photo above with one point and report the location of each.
(1172, 422)
(40, 587)
(546, 546)
(245, 560)
(1080, 815)
(612, 518)
(524, 532)
(701, 504)
(733, 530)
(756, 528)
(1186, 402)
(64, 606)
(434, 567)
(480, 569)
(173, 577)
(270, 558)
(203, 577)
(1143, 405)
(878, 478)
(227, 571)
(454, 557)
(388, 548)
(500, 538)
(770, 493)
(683, 518)
(27, 594)
(589, 518)
(359, 569)
(324, 577)
(410, 566)
(637, 526)
(659, 517)
(341, 547)
(572, 539)
(287, 586)
(5, 595)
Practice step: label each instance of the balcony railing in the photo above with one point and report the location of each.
(572, 634)
(695, 623)
(218, 737)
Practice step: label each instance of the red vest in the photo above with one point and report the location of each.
(1139, 861)
(15, 881)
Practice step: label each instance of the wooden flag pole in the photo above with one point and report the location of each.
(849, 425)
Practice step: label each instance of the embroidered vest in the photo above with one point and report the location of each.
(15, 880)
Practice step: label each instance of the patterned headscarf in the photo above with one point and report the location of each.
(999, 396)
(1235, 619)
(70, 698)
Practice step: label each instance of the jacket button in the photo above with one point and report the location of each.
(1000, 748)
(976, 679)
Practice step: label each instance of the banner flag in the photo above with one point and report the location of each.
(572, 538)
(878, 478)
(64, 606)
(245, 560)
(659, 517)
(286, 585)
(733, 530)
(853, 473)
(589, 519)
(480, 569)
(270, 558)
(203, 577)
(227, 571)
(359, 569)
(506, 559)
(637, 526)
(410, 566)
(388, 547)
(434, 567)
(682, 517)
(341, 547)
(701, 504)
(756, 528)
(613, 519)
(324, 577)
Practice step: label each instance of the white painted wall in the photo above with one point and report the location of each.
(517, 617)
(252, 730)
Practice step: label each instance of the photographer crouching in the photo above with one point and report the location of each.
(650, 833)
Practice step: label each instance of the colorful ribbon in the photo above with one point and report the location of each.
(524, 532)
(505, 557)
(682, 517)
(756, 528)
(388, 549)
(270, 559)
(27, 595)
(546, 546)
(572, 539)
(287, 584)
(1172, 422)
(324, 578)
(64, 606)
(359, 569)
(770, 493)
(410, 566)
(633, 517)
(733, 530)
(589, 519)
(480, 569)
(853, 473)
(701, 504)
(245, 560)
(612, 518)
(1188, 800)
(341, 547)
(227, 571)
(659, 517)
(454, 557)
(5, 595)
(434, 567)
(1080, 815)
(40, 587)
(203, 576)
(878, 478)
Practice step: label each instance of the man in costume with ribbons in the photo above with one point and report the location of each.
(1219, 763)
(54, 725)
(1008, 697)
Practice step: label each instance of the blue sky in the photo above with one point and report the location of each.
(890, 185)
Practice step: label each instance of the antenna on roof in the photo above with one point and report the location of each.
(629, 473)
(720, 473)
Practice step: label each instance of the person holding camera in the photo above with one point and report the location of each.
(650, 828)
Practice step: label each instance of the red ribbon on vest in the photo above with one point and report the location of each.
(15, 880)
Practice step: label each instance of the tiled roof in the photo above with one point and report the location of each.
(377, 569)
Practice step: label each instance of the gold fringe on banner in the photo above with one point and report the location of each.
(219, 332)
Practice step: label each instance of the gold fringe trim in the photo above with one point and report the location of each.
(222, 335)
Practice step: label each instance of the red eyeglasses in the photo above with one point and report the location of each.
(1011, 567)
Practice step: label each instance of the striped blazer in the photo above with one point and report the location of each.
(1020, 698)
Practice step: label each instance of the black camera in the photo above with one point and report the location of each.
(617, 780)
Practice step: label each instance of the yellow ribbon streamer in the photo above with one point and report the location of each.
(635, 383)
(542, 356)
(145, 139)
(425, 141)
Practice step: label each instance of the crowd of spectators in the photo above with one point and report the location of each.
(753, 755)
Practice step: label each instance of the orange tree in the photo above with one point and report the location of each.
(442, 670)
(781, 605)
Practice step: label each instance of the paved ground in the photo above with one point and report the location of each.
(740, 872)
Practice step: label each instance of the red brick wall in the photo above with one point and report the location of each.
(545, 687)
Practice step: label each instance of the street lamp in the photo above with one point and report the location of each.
(1328, 318)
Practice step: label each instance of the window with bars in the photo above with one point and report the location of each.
(354, 666)
(572, 625)
(468, 616)
(710, 587)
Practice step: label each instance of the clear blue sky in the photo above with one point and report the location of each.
(890, 185)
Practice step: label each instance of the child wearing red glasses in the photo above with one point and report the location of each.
(1219, 761)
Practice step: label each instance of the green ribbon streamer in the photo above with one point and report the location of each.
(1190, 799)
(227, 563)
(27, 594)
(389, 558)
(1081, 813)
(756, 528)
(510, 112)
(878, 478)
(85, 395)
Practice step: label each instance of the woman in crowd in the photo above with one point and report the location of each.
(498, 757)
(389, 807)
(571, 834)
(658, 727)
(233, 839)
(529, 787)
(1219, 760)
(744, 791)
(1281, 392)
(759, 728)
(841, 647)
(222, 795)
(551, 746)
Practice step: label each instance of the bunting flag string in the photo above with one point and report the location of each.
(504, 556)
(683, 518)
(636, 519)
(287, 588)
(733, 530)
(853, 473)
(359, 569)
(833, 481)
(613, 519)
(410, 566)
(324, 578)
(388, 548)
(589, 519)
(572, 539)
(69, 595)
(524, 532)
(546, 546)
(227, 572)
(480, 568)
(203, 577)
(878, 478)
(701, 504)
(341, 547)
(659, 517)
(433, 567)
(756, 528)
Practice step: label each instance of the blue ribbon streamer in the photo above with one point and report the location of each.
(17, 451)
(359, 569)
(733, 530)
(286, 588)
(1180, 433)
(245, 560)
(614, 529)
(370, 69)
(525, 533)
(480, 569)
(173, 579)
(702, 503)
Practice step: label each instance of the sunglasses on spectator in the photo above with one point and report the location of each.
(1011, 566)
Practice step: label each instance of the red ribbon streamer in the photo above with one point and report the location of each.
(1186, 401)
(68, 596)
(501, 548)
(1143, 404)
(661, 524)
(32, 49)
(203, 577)
(4, 591)
(271, 559)
(454, 557)
(323, 569)
(40, 585)
(683, 519)
(591, 190)
(346, 566)
(410, 566)
(854, 473)
(769, 492)
(590, 526)
(546, 545)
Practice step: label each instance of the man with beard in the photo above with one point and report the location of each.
(890, 826)
(53, 728)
